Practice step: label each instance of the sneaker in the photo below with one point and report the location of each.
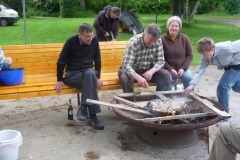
(82, 113)
(222, 121)
(95, 123)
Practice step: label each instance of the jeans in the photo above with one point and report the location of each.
(230, 79)
(186, 78)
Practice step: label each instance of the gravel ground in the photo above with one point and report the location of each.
(48, 134)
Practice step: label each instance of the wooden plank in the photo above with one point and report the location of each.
(148, 93)
(221, 114)
(120, 106)
(176, 117)
(127, 102)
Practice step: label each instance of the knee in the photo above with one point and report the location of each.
(90, 71)
(164, 74)
(124, 78)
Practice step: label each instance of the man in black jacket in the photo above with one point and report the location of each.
(106, 24)
(78, 54)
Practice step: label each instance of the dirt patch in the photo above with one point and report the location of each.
(203, 135)
(92, 155)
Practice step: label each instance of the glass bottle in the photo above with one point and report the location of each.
(70, 111)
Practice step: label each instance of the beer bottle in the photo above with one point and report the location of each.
(70, 111)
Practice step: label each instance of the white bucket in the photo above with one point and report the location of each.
(10, 140)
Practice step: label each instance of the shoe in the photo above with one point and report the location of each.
(95, 123)
(82, 113)
(222, 121)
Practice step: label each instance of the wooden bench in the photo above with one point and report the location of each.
(39, 63)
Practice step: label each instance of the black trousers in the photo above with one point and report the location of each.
(87, 81)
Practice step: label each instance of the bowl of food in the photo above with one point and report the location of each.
(11, 77)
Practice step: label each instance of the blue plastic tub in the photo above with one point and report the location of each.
(11, 77)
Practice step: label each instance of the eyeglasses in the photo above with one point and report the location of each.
(89, 37)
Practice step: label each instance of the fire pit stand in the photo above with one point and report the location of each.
(167, 135)
(168, 139)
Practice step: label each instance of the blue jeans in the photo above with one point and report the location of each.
(230, 79)
(186, 78)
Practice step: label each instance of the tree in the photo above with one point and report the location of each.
(82, 4)
(189, 8)
(175, 8)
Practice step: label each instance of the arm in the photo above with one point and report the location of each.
(98, 65)
(115, 28)
(199, 72)
(159, 56)
(197, 76)
(128, 59)
(128, 62)
(234, 47)
(99, 22)
(188, 54)
(61, 63)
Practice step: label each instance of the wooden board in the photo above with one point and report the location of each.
(176, 117)
(221, 114)
(120, 106)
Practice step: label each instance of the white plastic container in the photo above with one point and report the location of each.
(180, 87)
(10, 140)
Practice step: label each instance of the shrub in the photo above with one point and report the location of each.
(232, 6)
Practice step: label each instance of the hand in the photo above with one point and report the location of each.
(99, 84)
(107, 34)
(180, 72)
(1, 57)
(59, 86)
(174, 73)
(147, 75)
(188, 90)
(142, 82)
(8, 60)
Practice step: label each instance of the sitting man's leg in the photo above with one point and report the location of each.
(126, 82)
(87, 81)
(226, 144)
(162, 80)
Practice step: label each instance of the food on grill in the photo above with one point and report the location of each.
(165, 106)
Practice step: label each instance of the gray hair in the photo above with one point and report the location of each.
(174, 18)
(153, 30)
(205, 44)
(84, 27)
(116, 11)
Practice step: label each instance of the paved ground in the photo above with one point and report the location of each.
(48, 134)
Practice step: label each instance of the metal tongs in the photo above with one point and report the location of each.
(161, 96)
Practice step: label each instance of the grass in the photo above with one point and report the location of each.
(57, 30)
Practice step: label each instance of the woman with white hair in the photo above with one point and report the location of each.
(177, 52)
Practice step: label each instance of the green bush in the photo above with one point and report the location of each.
(232, 6)
(96, 5)
(70, 8)
(146, 6)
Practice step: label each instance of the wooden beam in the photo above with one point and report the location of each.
(176, 117)
(120, 106)
(221, 114)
